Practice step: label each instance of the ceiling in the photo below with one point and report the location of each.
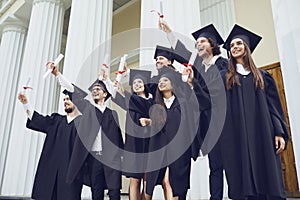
(119, 3)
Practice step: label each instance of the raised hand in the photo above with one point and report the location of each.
(163, 25)
(22, 98)
(54, 69)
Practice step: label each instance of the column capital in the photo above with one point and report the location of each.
(13, 23)
(49, 1)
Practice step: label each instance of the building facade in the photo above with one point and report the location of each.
(33, 32)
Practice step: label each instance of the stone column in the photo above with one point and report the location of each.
(184, 18)
(42, 45)
(11, 53)
(287, 28)
(88, 41)
(90, 27)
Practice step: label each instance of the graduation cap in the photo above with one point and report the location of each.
(101, 84)
(165, 52)
(181, 54)
(172, 75)
(66, 92)
(247, 36)
(141, 74)
(209, 31)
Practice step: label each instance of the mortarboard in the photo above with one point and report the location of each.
(209, 31)
(171, 74)
(142, 74)
(66, 92)
(101, 84)
(165, 52)
(247, 36)
(181, 54)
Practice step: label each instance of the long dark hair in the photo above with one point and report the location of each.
(215, 47)
(175, 90)
(232, 77)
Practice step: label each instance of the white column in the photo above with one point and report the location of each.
(88, 41)
(219, 12)
(287, 28)
(42, 45)
(183, 17)
(11, 52)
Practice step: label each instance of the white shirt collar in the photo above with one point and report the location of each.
(241, 70)
(168, 102)
(101, 108)
(211, 62)
(71, 118)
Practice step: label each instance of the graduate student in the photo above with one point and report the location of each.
(255, 131)
(100, 143)
(50, 179)
(208, 42)
(137, 103)
(207, 67)
(173, 140)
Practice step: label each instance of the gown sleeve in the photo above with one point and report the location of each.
(120, 101)
(78, 99)
(41, 123)
(138, 104)
(275, 107)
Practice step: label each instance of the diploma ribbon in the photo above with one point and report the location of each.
(105, 65)
(25, 87)
(55, 62)
(160, 15)
(187, 65)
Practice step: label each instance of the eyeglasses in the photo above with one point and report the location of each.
(97, 89)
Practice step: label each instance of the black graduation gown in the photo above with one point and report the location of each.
(211, 82)
(253, 119)
(50, 178)
(112, 142)
(180, 122)
(136, 107)
(184, 91)
(207, 85)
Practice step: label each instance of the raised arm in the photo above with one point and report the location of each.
(78, 94)
(164, 26)
(35, 120)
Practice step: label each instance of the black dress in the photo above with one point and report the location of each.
(50, 179)
(254, 117)
(180, 130)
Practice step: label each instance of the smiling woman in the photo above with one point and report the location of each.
(255, 131)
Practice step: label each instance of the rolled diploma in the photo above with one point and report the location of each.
(56, 61)
(27, 83)
(121, 67)
(161, 7)
(106, 60)
(185, 77)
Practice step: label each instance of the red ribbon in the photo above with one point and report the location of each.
(105, 65)
(27, 87)
(187, 65)
(49, 63)
(121, 72)
(160, 15)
